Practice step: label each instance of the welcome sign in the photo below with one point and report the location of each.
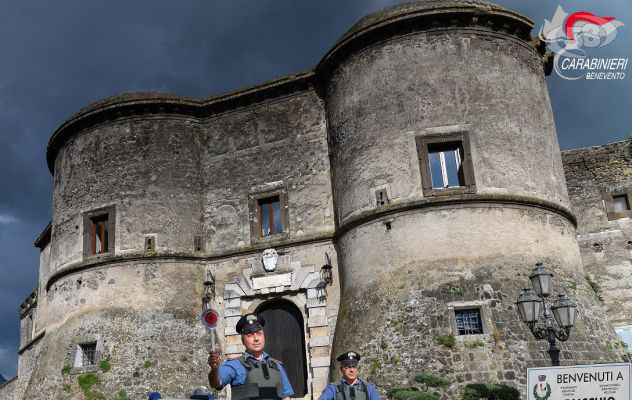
(580, 382)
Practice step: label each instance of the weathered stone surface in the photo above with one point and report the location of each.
(186, 173)
(271, 281)
(320, 361)
(319, 341)
(593, 176)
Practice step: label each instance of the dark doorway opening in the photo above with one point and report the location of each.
(285, 340)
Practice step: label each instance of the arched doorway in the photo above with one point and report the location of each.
(285, 340)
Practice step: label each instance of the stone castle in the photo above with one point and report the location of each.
(419, 160)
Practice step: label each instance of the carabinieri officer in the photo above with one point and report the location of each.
(254, 375)
(350, 387)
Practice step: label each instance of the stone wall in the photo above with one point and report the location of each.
(181, 179)
(408, 265)
(7, 389)
(188, 183)
(594, 175)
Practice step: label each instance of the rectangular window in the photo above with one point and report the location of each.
(86, 354)
(98, 232)
(468, 322)
(269, 209)
(620, 203)
(268, 215)
(445, 163)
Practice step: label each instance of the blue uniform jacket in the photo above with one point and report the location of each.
(233, 373)
(330, 391)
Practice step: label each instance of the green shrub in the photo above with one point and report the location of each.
(475, 344)
(66, 370)
(446, 340)
(375, 367)
(86, 383)
(67, 388)
(121, 395)
(415, 395)
(148, 364)
(431, 380)
(105, 364)
(490, 391)
(391, 392)
(596, 288)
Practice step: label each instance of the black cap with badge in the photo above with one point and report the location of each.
(349, 359)
(250, 323)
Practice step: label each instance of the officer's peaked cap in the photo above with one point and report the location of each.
(250, 323)
(349, 359)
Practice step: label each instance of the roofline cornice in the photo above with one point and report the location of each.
(443, 17)
(136, 104)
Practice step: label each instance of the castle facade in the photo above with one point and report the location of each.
(391, 201)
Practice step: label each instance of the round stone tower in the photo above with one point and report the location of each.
(448, 187)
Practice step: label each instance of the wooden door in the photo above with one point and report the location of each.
(285, 341)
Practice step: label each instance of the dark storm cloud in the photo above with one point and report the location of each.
(57, 57)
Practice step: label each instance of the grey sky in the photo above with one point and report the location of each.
(57, 57)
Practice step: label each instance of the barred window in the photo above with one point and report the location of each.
(86, 354)
(468, 322)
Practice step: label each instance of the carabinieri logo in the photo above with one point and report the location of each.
(542, 389)
(569, 35)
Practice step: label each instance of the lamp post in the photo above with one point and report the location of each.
(563, 311)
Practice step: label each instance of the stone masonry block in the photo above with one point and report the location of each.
(235, 302)
(312, 276)
(320, 372)
(247, 273)
(298, 276)
(271, 281)
(233, 340)
(320, 361)
(319, 341)
(232, 321)
(317, 302)
(316, 321)
(319, 384)
(317, 311)
(232, 312)
(244, 284)
(233, 290)
(318, 331)
(235, 348)
(230, 330)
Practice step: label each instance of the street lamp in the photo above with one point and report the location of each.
(562, 310)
